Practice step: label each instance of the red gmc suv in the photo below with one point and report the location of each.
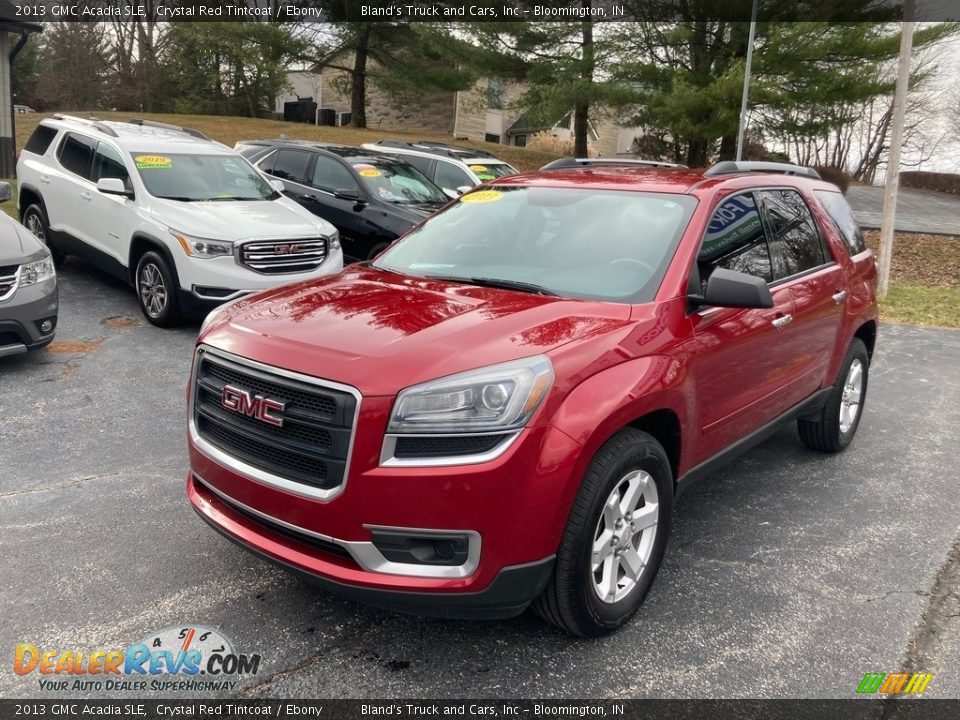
(501, 408)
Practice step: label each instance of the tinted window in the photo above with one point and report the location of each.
(330, 175)
(451, 177)
(794, 240)
(420, 163)
(839, 211)
(41, 139)
(735, 240)
(397, 182)
(291, 165)
(76, 153)
(107, 163)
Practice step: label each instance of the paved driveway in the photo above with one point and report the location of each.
(918, 211)
(788, 573)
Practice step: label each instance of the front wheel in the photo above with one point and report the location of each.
(615, 537)
(156, 290)
(834, 426)
(35, 220)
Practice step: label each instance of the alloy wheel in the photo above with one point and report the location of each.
(35, 227)
(153, 291)
(852, 392)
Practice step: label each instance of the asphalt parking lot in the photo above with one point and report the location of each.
(788, 574)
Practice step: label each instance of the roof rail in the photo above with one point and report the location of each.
(91, 121)
(168, 126)
(563, 163)
(464, 149)
(436, 150)
(729, 167)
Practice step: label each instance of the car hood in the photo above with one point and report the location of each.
(17, 244)
(380, 331)
(240, 219)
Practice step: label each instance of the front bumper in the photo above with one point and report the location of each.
(21, 315)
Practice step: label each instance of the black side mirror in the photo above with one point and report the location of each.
(348, 194)
(727, 288)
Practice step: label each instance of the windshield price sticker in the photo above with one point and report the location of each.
(367, 171)
(144, 162)
(482, 196)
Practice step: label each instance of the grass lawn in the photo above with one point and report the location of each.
(925, 288)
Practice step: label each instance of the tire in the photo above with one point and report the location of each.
(157, 290)
(34, 219)
(572, 598)
(833, 428)
(377, 249)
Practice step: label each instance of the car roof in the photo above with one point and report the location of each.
(437, 151)
(347, 152)
(139, 138)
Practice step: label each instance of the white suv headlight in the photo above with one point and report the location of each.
(497, 397)
(38, 270)
(200, 248)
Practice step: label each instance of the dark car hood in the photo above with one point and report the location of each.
(381, 332)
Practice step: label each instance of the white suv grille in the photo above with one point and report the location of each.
(274, 257)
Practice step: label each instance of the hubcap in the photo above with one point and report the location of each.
(852, 392)
(36, 227)
(624, 536)
(153, 293)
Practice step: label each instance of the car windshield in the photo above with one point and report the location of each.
(396, 182)
(201, 177)
(582, 243)
(490, 171)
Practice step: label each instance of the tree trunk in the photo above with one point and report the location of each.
(358, 80)
(728, 147)
(696, 153)
(581, 110)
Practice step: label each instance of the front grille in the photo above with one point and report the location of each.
(9, 279)
(311, 446)
(445, 446)
(274, 257)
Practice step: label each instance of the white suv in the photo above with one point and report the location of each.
(187, 221)
(453, 168)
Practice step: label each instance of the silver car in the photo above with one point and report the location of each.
(28, 287)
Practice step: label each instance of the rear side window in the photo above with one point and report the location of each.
(76, 154)
(795, 243)
(839, 211)
(40, 140)
(420, 163)
(291, 165)
(451, 177)
(735, 240)
(107, 163)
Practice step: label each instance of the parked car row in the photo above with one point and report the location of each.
(191, 223)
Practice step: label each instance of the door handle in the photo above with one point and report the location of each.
(781, 322)
(44, 179)
(85, 196)
(839, 296)
(308, 196)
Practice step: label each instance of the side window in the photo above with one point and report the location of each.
(839, 211)
(330, 175)
(76, 154)
(107, 163)
(420, 163)
(267, 163)
(450, 176)
(291, 165)
(735, 240)
(794, 239)
(40, 140)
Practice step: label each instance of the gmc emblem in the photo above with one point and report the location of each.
(287, 249)
(255, 406)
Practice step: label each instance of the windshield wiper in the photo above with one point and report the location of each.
(181, 198)
(497, 283)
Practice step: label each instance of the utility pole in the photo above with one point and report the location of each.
(746, 81)
(892, 180)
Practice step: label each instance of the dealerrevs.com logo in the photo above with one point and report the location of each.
(185, 658)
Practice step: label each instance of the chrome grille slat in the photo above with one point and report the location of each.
(9, 283)
(280, 256)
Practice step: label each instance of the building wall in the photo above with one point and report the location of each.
(475, 120)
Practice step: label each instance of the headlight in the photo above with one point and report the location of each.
(38, 270)
(334, 241)
(497, 397)
(200, 248)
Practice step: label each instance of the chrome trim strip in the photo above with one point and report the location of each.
(388, 451)
(249, 471)
(366, 554)
(220, 298)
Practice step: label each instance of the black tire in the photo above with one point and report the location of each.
(377, 249)
(825, 431)
(152, 277)
(570, 600)
(34, 218)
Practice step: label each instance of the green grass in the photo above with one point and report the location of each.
(919, 305)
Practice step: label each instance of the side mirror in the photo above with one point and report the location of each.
(113, 186)
(452, 194)
(6, 191)
(461, 189)
(278, 186)
(348, 194)
(727, 288)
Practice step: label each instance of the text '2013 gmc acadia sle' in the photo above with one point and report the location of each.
(501, 408)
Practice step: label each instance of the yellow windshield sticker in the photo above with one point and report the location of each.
(478, 168)
(152, 161)
(482, 196)
(370, 172)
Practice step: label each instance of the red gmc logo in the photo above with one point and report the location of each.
(287, 249)
(255, 406)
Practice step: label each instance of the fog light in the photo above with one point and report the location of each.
(46, 326)
(444, 549)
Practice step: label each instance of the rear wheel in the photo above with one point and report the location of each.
(833, 428)
(615, 537)
(34, 219)
(156, 290)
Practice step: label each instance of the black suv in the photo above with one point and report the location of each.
(369, 197)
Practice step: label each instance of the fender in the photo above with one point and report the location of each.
(610, 400)
(139, 237)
